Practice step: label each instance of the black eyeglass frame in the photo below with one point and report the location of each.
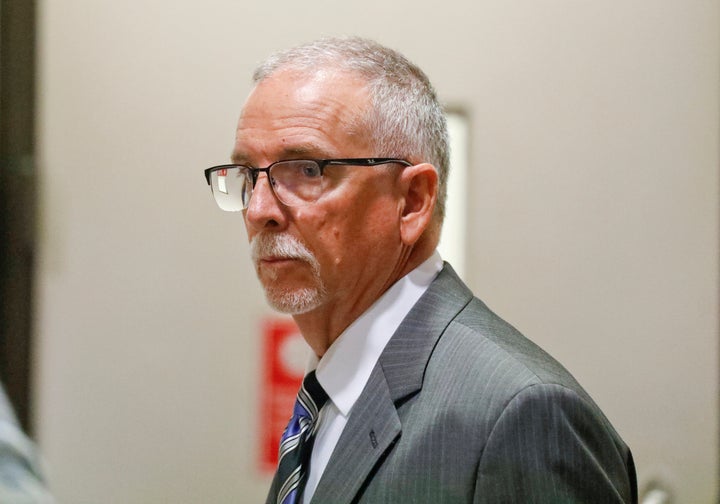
(322, 163)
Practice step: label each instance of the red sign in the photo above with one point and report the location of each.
(284, 355)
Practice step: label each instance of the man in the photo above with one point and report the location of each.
(20, 478)
(339, 167)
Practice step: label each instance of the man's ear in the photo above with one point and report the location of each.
(420, 189)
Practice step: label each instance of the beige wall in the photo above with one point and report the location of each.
(593, 221)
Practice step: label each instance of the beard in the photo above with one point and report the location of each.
(288, 300)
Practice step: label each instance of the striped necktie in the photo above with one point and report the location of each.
(297, 440)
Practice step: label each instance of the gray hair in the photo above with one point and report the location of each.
(406, 119)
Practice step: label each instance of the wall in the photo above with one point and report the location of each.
(592, 224)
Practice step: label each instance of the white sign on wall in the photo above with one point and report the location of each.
(452, 240)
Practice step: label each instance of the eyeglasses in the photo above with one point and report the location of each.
(294, 182)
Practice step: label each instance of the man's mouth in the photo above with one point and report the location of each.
(272, 259)
(280, 253)
(278, 260)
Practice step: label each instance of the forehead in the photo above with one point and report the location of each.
(322, 114)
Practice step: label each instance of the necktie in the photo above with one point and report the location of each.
(297, 440)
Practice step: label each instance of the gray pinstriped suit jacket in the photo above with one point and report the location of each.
(463, 408)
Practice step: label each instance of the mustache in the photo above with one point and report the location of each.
(283, 246)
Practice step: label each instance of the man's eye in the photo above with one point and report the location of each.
(310, 170)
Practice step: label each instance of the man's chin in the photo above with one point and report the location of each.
(294, 302)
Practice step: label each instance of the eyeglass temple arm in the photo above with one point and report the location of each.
(366, 161)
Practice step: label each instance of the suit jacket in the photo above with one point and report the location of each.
(462, 408)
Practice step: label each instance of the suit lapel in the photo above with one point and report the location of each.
(374, 424)
(407, 353)
(370, 430)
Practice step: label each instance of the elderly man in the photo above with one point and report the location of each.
(416, 391)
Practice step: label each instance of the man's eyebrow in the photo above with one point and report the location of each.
(238, 158)
(302, 151)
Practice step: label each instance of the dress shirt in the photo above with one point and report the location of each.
(346, 366)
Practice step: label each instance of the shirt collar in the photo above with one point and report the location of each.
(346, 366)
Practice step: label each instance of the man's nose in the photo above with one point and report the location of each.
(264, 209)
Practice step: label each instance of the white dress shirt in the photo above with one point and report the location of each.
(345, 368)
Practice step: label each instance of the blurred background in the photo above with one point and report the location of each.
(133, 325)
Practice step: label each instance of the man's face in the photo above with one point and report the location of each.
(338, 254)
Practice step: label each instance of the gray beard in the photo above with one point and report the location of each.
(290, 301)
(294, 302)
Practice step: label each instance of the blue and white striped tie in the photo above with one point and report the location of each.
(297, 440)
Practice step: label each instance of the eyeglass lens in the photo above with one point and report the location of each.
(294, 182)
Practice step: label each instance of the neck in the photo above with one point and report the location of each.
(322, 326)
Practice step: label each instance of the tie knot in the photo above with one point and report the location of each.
(312, 397)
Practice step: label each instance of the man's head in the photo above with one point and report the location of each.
(329, 237)
(405, 117)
